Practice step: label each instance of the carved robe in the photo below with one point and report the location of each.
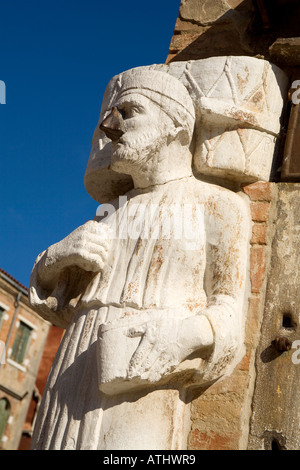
(156, 270)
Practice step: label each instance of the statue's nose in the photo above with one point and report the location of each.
(111, 125)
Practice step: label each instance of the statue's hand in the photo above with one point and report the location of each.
(86, 247)
(166, 343)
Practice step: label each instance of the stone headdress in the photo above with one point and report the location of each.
(234, 105)
(162, 89)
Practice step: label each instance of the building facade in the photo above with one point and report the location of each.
(23, 335)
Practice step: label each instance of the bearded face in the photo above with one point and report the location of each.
(146, 129)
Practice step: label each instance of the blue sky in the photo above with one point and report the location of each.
(56, 58)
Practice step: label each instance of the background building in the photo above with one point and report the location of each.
(27, 347)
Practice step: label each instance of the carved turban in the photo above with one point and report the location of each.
(161, 88)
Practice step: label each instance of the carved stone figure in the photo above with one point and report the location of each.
(153, 291)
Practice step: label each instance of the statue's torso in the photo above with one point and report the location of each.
(157, 258)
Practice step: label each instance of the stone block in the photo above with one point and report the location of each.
(182, 26)
(180, 41)
(286, 51)
(204, 11)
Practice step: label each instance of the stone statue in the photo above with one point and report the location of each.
(153, 291)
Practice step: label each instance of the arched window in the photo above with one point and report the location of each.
(4, 415)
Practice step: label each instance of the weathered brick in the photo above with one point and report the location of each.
(257, 267)
(259, 232)
(260, 211)
(214, 441)
(261, 191)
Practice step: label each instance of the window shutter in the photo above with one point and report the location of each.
(21, 343)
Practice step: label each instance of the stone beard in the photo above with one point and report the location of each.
(147, 317)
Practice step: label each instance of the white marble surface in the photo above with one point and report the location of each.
(153, 292)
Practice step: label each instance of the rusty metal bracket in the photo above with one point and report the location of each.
(282, 343)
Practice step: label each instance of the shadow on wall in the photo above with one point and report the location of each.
(248, 29)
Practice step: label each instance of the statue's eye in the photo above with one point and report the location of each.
(128, 111)
(122, 111)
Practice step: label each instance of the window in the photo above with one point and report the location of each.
(21, 343)
(2, 313)
(4, 415)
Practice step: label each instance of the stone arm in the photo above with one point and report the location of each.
(225, 283)
(62, 274)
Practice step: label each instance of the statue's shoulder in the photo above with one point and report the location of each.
(219, 199)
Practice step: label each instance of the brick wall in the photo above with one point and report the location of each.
(221, 414)
(17, 381)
